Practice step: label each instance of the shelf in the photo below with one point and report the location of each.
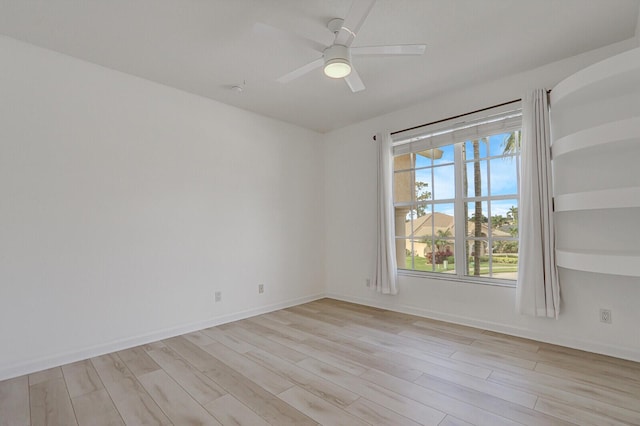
(613, 263)
(610, 133)
(616, 198)
(615, 76)
(597, 113)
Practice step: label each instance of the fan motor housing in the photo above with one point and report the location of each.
(336, 53)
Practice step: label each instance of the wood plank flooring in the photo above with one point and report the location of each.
(332, 363)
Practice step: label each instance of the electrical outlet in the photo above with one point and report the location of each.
(367, 282)
(218, 296)
(260, 288)
(605, 316)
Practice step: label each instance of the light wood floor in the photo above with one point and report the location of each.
(332, 363)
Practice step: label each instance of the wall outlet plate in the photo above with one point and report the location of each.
(218, 296)
(605, 316)
(260, 288)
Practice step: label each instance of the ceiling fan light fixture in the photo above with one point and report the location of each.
(337, 61)
(337, 68)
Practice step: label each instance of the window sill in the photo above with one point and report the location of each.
(455, 278)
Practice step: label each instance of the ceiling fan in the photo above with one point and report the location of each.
(336, 58)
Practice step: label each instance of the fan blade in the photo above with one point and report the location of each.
(354, 20)
(269, 31)
(354, 81)
(400, 49)
(301, 71)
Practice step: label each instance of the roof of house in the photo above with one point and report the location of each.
(432, 223)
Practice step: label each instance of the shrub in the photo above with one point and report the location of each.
(440, 256)
(506, 247)
(505, 259)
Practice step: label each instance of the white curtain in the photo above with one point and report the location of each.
(386, 269)
(538, 289)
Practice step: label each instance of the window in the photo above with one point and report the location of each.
(455, 194)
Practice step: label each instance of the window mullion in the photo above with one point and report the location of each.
(459, 216)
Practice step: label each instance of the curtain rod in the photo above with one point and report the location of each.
(453, 117)
(457, 116)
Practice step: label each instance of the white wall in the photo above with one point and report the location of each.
(350, 197)
(638, 30)
(125, 204)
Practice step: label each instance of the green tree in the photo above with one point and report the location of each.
(512, 214)
(483, 218)
(498, 220)
(422, 194)
(506, 246)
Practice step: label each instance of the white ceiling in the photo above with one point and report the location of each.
(206, 46)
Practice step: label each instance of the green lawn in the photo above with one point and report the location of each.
(422, 265)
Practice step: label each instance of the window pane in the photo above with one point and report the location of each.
(475, 149)
(423, 185)
(503, 176)
(477, 219)
(504, 260)
(477, 258)
(410, 254)
(403, 221)
(444, 219)
(423, 231)
(442, 256)
(476, 179)
(444, 185)
(443, 223)
(505, 143)
(402, 183)
(404, 253)
(424, 158)
(421, 263)
(504, 218)
(495, 144)
(442, 246)
(446, 153)
(403, 162)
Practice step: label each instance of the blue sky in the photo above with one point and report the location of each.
(502, 172)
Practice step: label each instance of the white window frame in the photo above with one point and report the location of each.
(502, 119)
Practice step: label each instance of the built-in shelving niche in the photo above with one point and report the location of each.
(596, 155)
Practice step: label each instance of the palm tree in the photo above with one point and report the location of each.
(477, 220)
(441, 237)
(512, 143)
(477, 217)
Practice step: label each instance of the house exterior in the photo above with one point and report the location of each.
(437, 230)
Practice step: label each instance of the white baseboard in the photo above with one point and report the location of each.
(630, 354)
(50, 361)
(43, 363)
